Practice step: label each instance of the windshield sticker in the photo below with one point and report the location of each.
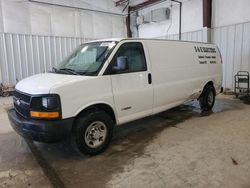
(108, 44)
(105, 44)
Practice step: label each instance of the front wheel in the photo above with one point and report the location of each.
(207, 98)
(93, 132)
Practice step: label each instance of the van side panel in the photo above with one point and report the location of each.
(78, 95)
(180, 70)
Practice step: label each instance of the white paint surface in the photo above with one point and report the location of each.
(228, 12)
(34, 37)
(1, 20)
(40, 16)
(234, 43)
(175, 80)
(26, 55)
(16, 17)
(231, 28)
(63, 22)
(103, 25)
(191, 19)
(24, 17)
(231, 32)
(86, 25)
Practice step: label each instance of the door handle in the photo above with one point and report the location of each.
(149, 78)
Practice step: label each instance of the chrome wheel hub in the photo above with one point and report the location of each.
(95, 134)
(210, 98)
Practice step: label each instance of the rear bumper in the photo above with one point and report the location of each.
(41, 130)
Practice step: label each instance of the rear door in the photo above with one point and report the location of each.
(132, 89)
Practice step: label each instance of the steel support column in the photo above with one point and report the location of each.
(128, 23)
(180, 15)
(207, 13)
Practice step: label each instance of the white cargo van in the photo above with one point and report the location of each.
(112, 82)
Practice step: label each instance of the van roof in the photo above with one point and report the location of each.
(121, 39)
(107, 40)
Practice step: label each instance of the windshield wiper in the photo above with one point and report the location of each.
(69, 71)
(54, 69)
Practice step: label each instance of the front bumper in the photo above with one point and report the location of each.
(41, 130)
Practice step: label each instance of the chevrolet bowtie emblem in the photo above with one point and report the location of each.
(18, 102)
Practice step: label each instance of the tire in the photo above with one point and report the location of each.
(93, 132)
(207, 98)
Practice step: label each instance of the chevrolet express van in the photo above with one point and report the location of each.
(112, 82)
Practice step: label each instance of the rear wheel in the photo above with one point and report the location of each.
(207, 98)
(93, 132)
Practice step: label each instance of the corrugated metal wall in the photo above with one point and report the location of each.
(191, 36)
(25, 55)
(234, 43)
(187, 36)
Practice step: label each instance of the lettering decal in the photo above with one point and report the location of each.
(204, 49)
(204, 59)
(203, 62)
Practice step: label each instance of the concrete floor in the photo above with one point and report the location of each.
(178, 148)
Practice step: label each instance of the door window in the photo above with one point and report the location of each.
(134, 53)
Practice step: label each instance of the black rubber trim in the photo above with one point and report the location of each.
(41, 130)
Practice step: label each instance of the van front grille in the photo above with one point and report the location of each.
(22, 103)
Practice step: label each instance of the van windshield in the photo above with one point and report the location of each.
(87, 59)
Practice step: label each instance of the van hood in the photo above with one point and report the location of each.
(43, 83)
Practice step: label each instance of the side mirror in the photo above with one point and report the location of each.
(121, 64)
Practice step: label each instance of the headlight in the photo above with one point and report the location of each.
(50, 103)
(45, 107)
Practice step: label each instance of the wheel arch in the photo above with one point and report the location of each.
(98, 106)
(208, 83)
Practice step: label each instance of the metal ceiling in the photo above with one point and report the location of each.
(135, 2)
(131, 2)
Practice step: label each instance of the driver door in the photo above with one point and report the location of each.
(132, 88)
